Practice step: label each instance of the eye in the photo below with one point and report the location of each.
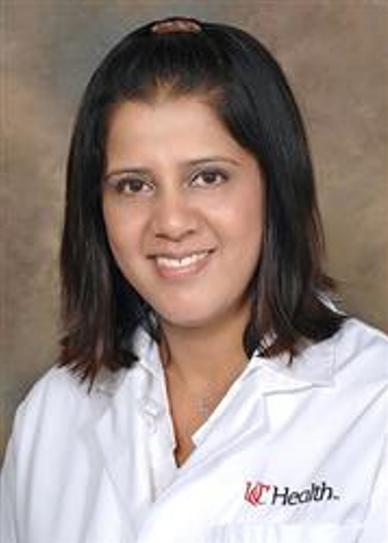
(130, 185)
(209, 178)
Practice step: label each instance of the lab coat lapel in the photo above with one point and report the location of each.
(120, 435)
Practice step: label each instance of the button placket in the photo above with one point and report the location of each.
(160, 443)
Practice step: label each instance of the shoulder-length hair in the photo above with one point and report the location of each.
(247, 89)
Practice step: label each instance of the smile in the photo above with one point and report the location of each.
(169, 262)
(172, 266)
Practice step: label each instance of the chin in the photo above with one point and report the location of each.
(195, 319)
(183, 321)
(184, 317)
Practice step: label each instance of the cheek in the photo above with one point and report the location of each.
(244, 220)
(122, 231)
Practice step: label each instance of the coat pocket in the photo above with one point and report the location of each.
(284, 533)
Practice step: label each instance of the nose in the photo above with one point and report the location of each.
(173, 218)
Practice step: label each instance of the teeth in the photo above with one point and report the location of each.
(176, 263)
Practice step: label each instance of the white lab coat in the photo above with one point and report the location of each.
(291, 455)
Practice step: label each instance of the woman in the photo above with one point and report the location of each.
(207, 390)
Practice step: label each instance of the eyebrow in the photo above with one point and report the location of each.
(190, 163)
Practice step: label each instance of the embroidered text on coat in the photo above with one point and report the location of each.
(264, 494)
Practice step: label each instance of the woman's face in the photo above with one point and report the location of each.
(183, 207)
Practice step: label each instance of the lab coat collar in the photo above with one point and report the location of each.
(108, 383)
(148, 353)
(314, 366)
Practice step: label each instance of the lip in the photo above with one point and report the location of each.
(182, 265)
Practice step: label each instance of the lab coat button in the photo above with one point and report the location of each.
(151, 411)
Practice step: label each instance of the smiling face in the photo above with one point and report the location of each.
(183, 207)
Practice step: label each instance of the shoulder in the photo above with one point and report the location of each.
(58, 388)
(360, 364)
(56, 407)
(360, 343)
(50, 402)
(360, 334)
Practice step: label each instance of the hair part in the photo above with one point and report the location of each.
(247, 89)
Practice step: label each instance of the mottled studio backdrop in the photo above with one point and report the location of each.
(335, 53)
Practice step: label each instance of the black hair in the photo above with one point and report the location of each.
(250, 94)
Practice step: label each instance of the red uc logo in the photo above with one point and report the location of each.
(255, 493)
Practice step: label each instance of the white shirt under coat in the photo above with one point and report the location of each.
(291, 455)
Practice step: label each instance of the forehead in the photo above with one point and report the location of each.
(178, 124)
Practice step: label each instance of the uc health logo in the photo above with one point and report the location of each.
(261, 494)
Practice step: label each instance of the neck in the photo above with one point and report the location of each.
(197, 354)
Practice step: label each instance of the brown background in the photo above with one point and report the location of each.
(334, 52)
